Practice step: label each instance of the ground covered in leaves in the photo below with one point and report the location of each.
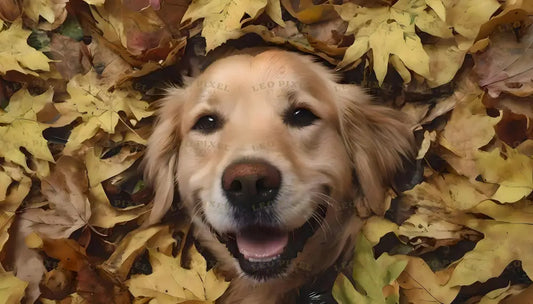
(76, 82)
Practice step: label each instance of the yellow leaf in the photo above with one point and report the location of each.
(513, 173)
(438, 8)
(53, 11)
(23, 129)
(386, 30)
(223, 19)
(421, 285)
(497, 295)
(466, 18)
(344, 292)
(469, 127)
(100, 170)
(429, 137)
(391, 30)
(518, 213)
(447, 191)
(170, 283)
(131, 247)
(11, 288)
(98, 108)
(502, 244)
(95, 2)
(371, 274)
(17, 55)
(106, 216)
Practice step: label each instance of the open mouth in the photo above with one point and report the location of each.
(264, 252)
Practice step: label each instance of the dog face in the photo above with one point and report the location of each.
(271, 157)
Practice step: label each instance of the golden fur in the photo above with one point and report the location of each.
(352, 136)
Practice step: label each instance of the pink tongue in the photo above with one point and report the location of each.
(262, 244)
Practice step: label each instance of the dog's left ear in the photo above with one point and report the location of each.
(378, 140)
(161, 156)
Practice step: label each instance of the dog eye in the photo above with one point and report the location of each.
(299, 117)
(207, 124)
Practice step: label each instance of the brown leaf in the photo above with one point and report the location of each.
(70, 55)
(507, 65)
(66, 190)
(97, 290)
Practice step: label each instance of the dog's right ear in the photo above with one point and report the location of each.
(161, 156)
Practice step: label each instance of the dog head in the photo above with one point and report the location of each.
(271, 157)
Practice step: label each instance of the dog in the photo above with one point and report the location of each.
(276, 164)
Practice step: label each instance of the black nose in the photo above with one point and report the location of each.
(251, 185)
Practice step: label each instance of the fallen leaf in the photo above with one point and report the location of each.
(11, 288)
(371, 274)
(506, 66)
(53, 11)
(99, 169)
(223, 19)
(308, 12)
(513, 173)
(66, 191)
(386, 31)
(18, 55)
(502, 244)
(170, 283)
(497, 295)
(120, 262)
(106, 216)
(98, 107)
(22, 129)
(421, 285)
(469, 127)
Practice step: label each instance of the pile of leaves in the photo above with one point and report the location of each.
(76, 82)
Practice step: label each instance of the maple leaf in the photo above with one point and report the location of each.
(17, 55)
(66, 190)
(391, 31)
(386, 31)
(170, 283)
(223, 19)
(98, 107)
(22, 128)
(372, 275)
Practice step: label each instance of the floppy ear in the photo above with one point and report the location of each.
(378, 140)
(161, 157)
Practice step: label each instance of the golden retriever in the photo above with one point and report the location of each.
(276, 164)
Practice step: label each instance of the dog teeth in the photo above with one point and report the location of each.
(263, 260)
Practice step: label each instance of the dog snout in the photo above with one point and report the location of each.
(247, 184)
